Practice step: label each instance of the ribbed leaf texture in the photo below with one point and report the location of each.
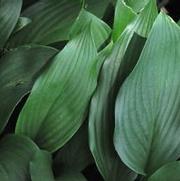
(147, 106)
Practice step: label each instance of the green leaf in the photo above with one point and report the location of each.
(147, 107)
(136, 5)
(9, 14)
(178, 23)
(57, 105)
(22, 22)
(123, 16)
(15, 154)
(18, 70)
(97, 8)
(170, 171)
(71, 176)
(51, 22)
(116, 68)
(40, 166)
(75, 155)
(100, 30)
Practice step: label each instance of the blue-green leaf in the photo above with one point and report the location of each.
(147, 106)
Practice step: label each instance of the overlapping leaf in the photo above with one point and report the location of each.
(9, 14)
(100, 30)
(136, 5)
(15, 155)
(147, 107)
(57, 105)
(22, 22)
(40, 166)
(123, 16)
(18, 70)
(116, 68)
(52, 20)
(75, 155)
(170, 171)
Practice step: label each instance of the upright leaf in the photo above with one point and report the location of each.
(15, 155)
(18, 70)
(147, 107)
(57, 105)
(170, 171)
(100, 30)
(123, 16)
(40, 166)
(116, 68)
(9, 14)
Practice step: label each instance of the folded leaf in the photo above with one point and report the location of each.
(22, 22)
(75, 155)
(9, 14)
(40, 167)
(100, 30)
(18, 70)
(116, 68)
(123, 16)
(15, 154)
(170, 171)
(57, 105)
(136, 5)
(147, 106)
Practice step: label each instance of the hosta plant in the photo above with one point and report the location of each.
(87, 87)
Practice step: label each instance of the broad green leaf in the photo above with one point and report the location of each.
(116, 68)
(75, 155)
(123, 16)
(22, 22)
(71, 176)
(18, 70)
(100, 30)
(9, 14)
(40, 167)
(147, 107)
(15, 154)
(51, 22)
(57, 105)
(170, 171)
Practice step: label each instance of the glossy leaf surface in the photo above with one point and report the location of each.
(18, 70)
(116, 68)
(147, 106)
(57, 105)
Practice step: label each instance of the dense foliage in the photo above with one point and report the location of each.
(86, 86)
